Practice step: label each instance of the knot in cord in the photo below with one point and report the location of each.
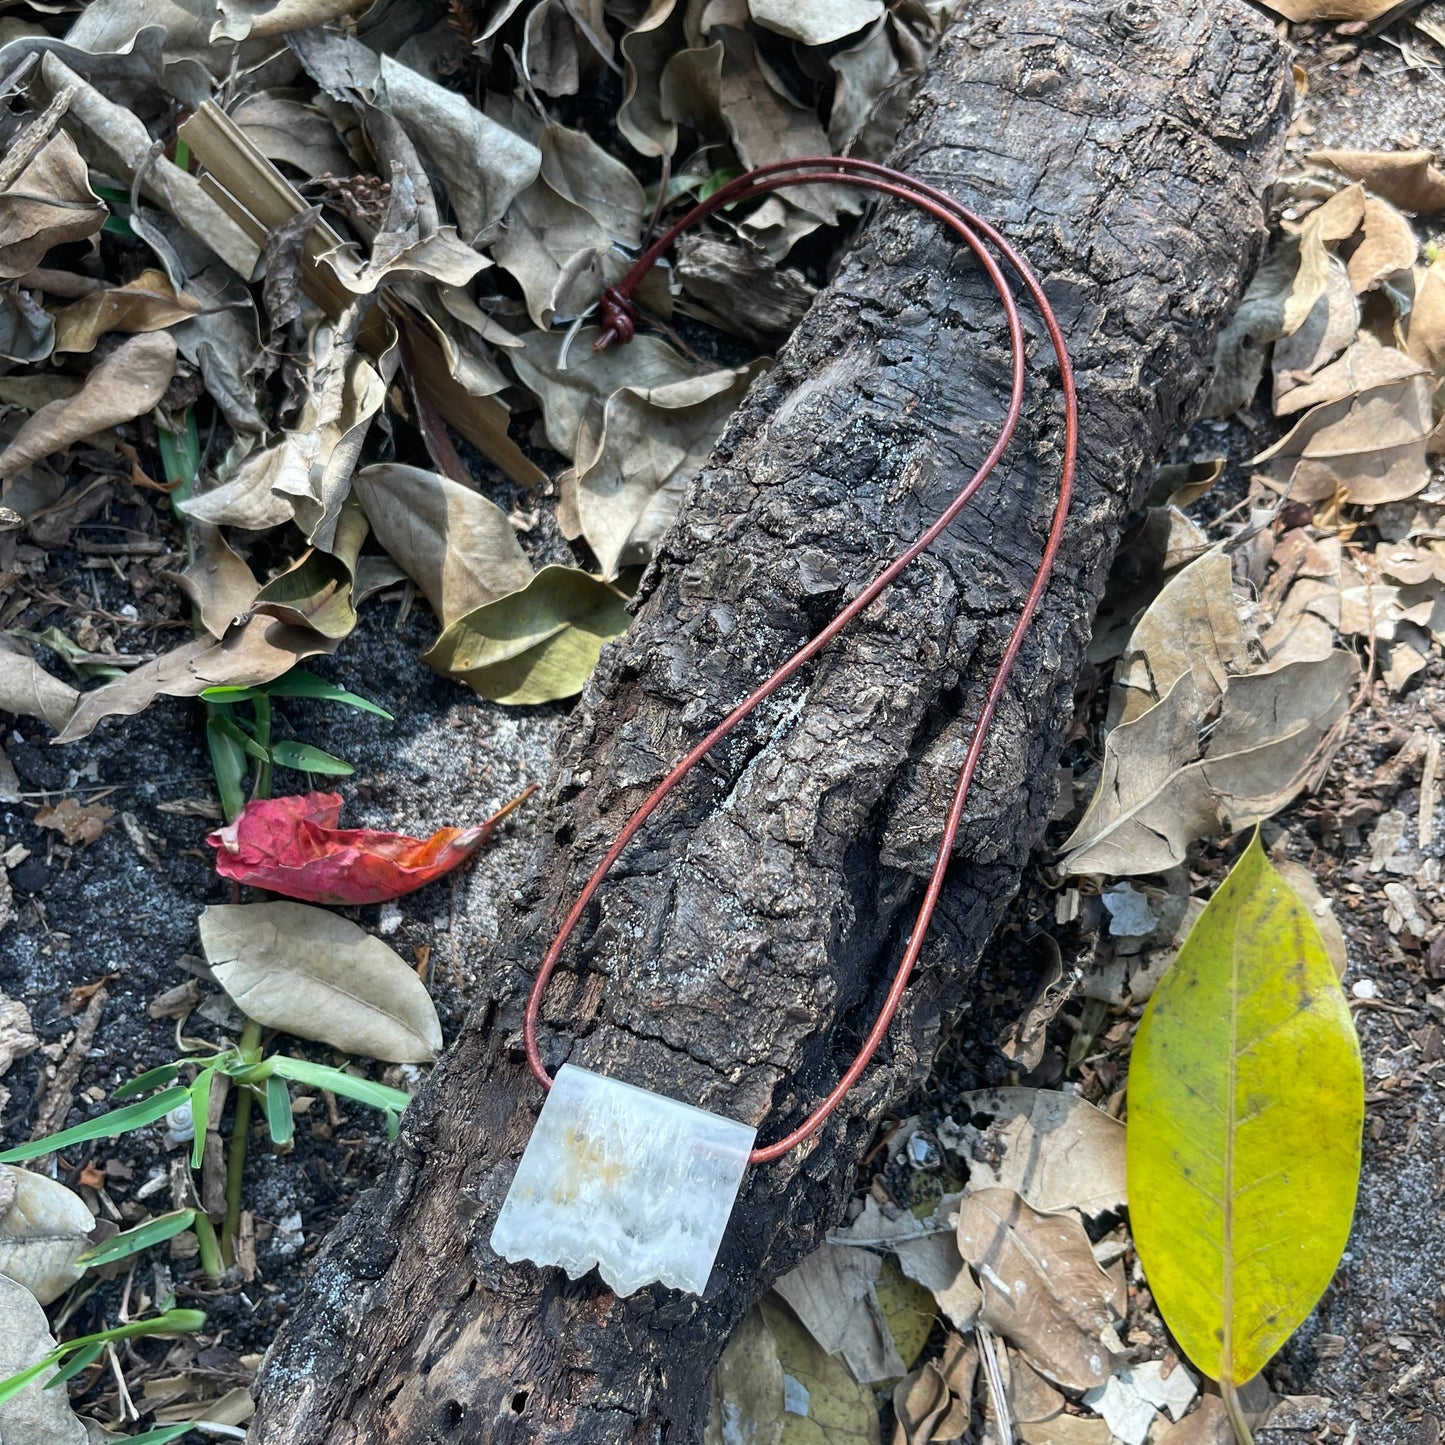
(619, 319)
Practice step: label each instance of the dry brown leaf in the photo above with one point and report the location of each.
(933, 1261)
(1056, 1151)
(1301, 10)
(815, 22)
(284, 129)
(871, 94)
(1156, 794)
(314, 974)
(1338, 218)
(1208, 1425)
(76, 822)
(48, 203)
(1032, 1400)
(831, 1292)
(452, 542)
(1408, 179)
(1364, 366)
(117, 141)
(766, 124)
(35, 1415)
(1425, 326)
(44, 1229)
(149, 303)
(1191, 626)
(1369, 448)
(482, 163)
(257, 651)
(690, 90)
(920, 1401)
(28, 690)
(1306, 620)
(656, 35)
(561, 234)
(628, 483)
(1043, 1289)
(223, 343)
(1332, 325)
(572, 391)
(233, 1408)
(27, 333)
(306, 474)
(1389, 246)
(408, 243)
(125, 385)
(1243, 344)
(1068, 1430)
(219, 584)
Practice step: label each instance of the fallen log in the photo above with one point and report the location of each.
(740, 948)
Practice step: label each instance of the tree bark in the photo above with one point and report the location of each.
(744, 942)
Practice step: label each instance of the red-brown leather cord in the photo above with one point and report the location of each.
(619, 322)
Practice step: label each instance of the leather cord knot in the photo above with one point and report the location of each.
(619, 319)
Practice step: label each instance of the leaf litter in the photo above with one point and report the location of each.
(447, 234)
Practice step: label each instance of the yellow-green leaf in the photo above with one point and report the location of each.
(822, 1403)
(1246, 1099)
(534, 645)
(908, 1309)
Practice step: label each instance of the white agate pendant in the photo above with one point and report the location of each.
(614, 1176)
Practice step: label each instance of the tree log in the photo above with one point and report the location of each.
(744, 942)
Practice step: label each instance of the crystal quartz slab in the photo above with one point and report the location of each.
(620, 1178)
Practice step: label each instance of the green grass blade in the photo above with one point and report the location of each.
(143, 1236)
(298, 683)
(228, 763)
(279, 1119)
(156, 1078)
(82, 1359)
(107, 1126)
(13, 1384)
(304, 758)
(232, 730)
(319, 1076)
(200, 1113)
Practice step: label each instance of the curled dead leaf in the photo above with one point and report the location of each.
(27, 690)
(1408, 179)
(48, 203)
(35, 1415)
(1056, 1151)
(1043, 1290)
(458, 547)
(149, 303)
(125, 385)
(535, 645)
(1370, 447)
(43, 1231)
(258, 650)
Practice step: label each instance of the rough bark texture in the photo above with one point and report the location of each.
(745, 941)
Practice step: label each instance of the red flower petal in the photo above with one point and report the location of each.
(291, 846)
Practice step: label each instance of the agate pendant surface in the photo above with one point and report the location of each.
(621, 1178)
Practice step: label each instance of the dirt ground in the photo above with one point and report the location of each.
(123, 910)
